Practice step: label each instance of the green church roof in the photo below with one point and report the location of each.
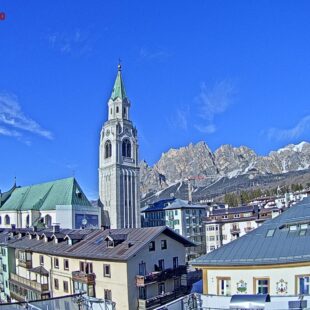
(119, 88)
(46, 196)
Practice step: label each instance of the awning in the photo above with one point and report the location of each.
(253, 302)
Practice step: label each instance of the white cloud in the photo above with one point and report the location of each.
(206, 129)
(152, 55)
(13, 120)
(292, 133)
(180, 118)
(77, 42)
(212, 102)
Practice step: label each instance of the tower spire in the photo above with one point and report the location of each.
(119, 88)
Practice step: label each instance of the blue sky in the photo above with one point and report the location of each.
(226, 72)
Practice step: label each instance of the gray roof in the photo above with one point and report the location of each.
(94, 246)
(256, 248)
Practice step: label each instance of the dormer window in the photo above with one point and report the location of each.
(110, 244)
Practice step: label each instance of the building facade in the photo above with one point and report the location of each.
(61, 201)
(181, 216)
(272, 259)
(118, 162)
(224, 224)
(138, 268)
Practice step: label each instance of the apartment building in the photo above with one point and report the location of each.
(272, 259)
(181, 216)
(137, 268)
(224, 224)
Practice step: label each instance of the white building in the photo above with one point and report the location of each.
(181, 216)
(224, 224)
(61, 201)
(118, 162)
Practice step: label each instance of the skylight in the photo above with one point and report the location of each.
(270, 232)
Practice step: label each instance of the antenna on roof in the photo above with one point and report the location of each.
(15, 181)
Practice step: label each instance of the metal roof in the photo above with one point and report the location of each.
(171, 204)
(46, 196)
(284, 245)
(94, 246)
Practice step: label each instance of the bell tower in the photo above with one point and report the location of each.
(119, 172)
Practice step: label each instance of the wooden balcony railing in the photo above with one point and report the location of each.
(158, 276)
(21, 281)
(25, 263)
(80, 276)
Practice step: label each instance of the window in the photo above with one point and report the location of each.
(86, 267)
(175, 262)
(66, 264)
(108, 294)
(142, 292)
(66, 286)
(126, 148)
(211, 238)
(142, 268)
(152, 246)
(224, 286)
(106, 271)
(117, 109)
(0, 220)
(4, 268)
(261, 286)
(161, 288)
(108, 149)
(270, 232)
(175, 212)
(303, 283)
(3, 252)
(56, 284)
(293, 228)
(7, 220)
(236, 215)
(177, 284)
(161, 264)
(56, 263)
(124, 112)
(41, 260)
(163, 244)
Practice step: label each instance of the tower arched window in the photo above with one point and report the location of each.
(7, 220)
(27, 220)
(126, 148)
(117, 109)
(0, 220)
(108, 149)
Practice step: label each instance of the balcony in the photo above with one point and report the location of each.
(158, 276)
(248, 229)
(30, 284)
(235, 230)
(80, 276)
(25, 263)
(156, 301)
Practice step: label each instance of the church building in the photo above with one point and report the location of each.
(118, 162)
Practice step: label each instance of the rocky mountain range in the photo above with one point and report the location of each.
(230, 165)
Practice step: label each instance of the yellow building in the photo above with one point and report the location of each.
(137, 268)
(272, 259)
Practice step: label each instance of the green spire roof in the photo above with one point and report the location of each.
(119, 88)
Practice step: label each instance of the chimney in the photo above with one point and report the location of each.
(56, 228)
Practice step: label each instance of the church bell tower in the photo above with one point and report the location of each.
(118, 162)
